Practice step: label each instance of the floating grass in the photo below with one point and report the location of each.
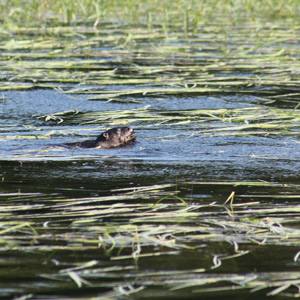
(131, 229)
(256, 120)
(141, 239)
(255, 61)
(193, 124)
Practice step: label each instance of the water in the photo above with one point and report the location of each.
(111, 223)
(163, 154)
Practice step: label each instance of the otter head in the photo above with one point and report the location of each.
(115, 137)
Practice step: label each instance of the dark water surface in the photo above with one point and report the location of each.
(36, 176)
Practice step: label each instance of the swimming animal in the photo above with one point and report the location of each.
(112, 138)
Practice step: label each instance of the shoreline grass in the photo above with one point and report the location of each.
(184, 13)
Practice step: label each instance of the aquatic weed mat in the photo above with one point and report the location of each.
(259, 60)
(249, 120)
(149, 238)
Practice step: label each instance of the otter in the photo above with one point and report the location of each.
(112, 138)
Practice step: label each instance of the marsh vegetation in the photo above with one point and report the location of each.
(206, 203)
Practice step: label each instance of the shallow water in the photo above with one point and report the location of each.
(162, 154)
(111, 223)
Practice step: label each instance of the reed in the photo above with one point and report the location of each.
(188, 13)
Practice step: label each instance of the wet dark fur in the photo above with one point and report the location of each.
(112, 138)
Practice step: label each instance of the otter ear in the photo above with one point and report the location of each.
(106, 135)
